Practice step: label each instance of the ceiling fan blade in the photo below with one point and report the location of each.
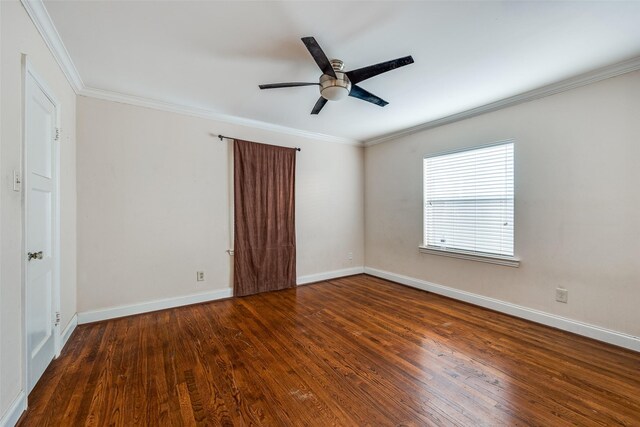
(289, 84)
(318, 55)
(356, 76)
(319, 104)
(358, 92)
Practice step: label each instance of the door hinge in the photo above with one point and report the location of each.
(57, 134)
(57, 318)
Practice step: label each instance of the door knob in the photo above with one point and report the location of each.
(34, 255)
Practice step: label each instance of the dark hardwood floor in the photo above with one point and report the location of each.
(353, 351)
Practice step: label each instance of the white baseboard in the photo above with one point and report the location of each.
(596, 332)
(328, 275)
(146, 307)
(11, 417)
(66, 333)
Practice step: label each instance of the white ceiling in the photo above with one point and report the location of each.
(212, 55)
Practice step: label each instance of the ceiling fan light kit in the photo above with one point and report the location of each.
(335, 88)
(336, 84)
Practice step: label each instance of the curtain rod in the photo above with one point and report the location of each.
(227, 137)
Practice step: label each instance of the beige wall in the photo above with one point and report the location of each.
(18, 36)
(153, 204)
(577, 213)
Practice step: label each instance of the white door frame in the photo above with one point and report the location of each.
(30, 73)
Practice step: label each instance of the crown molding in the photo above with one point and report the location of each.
(211, 115)
(41, 19)
(580, 80)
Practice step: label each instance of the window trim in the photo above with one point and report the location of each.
(473, 256)
(474, 147)
(510, 261)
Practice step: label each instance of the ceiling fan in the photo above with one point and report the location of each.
(335, 84)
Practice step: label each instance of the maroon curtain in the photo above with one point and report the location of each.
(264, 201)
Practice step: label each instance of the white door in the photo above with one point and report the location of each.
(41, 192)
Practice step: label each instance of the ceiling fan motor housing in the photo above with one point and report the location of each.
(335, 89)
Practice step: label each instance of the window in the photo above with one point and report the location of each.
(468, 204)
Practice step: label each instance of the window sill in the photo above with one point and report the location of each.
(492, 259)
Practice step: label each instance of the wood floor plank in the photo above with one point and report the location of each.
(572, 391)
(352, 351)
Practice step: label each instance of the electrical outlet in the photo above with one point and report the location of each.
(350, 256)
(200, 276)
(562, 295)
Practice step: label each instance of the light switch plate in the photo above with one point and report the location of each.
(17, 181)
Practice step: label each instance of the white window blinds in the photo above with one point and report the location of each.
(468, 200)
